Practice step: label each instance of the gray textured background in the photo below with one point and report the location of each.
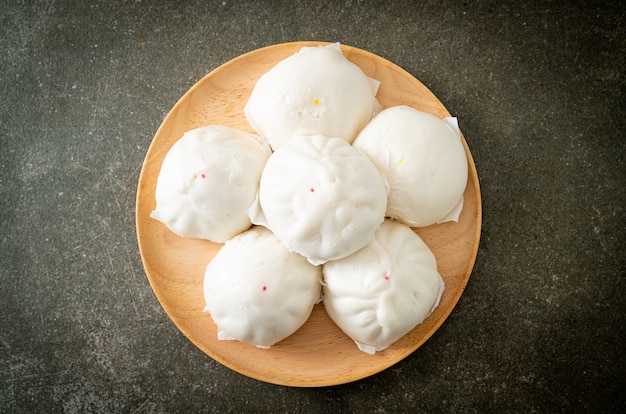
(538, 88)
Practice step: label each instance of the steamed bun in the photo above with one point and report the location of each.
(424, 161)
(322, 197)
(257, 291)
(208, 180)
(317, 89)
(380, 293)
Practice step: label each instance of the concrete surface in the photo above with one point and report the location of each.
(539, 91)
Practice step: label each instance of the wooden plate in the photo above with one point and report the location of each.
(318, 354)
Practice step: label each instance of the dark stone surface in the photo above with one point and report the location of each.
(539, 90)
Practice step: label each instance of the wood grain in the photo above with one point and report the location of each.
(318, 354)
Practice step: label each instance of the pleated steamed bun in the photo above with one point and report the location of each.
(424, 161)
(322, 197)
(257, 291)
(207, 182)
(316, 89)
(380, 293)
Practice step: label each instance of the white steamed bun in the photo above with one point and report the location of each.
(316, 89)
(424, 161)
(208, 180)
(322, 197)
(257, 291)
(380, 293)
